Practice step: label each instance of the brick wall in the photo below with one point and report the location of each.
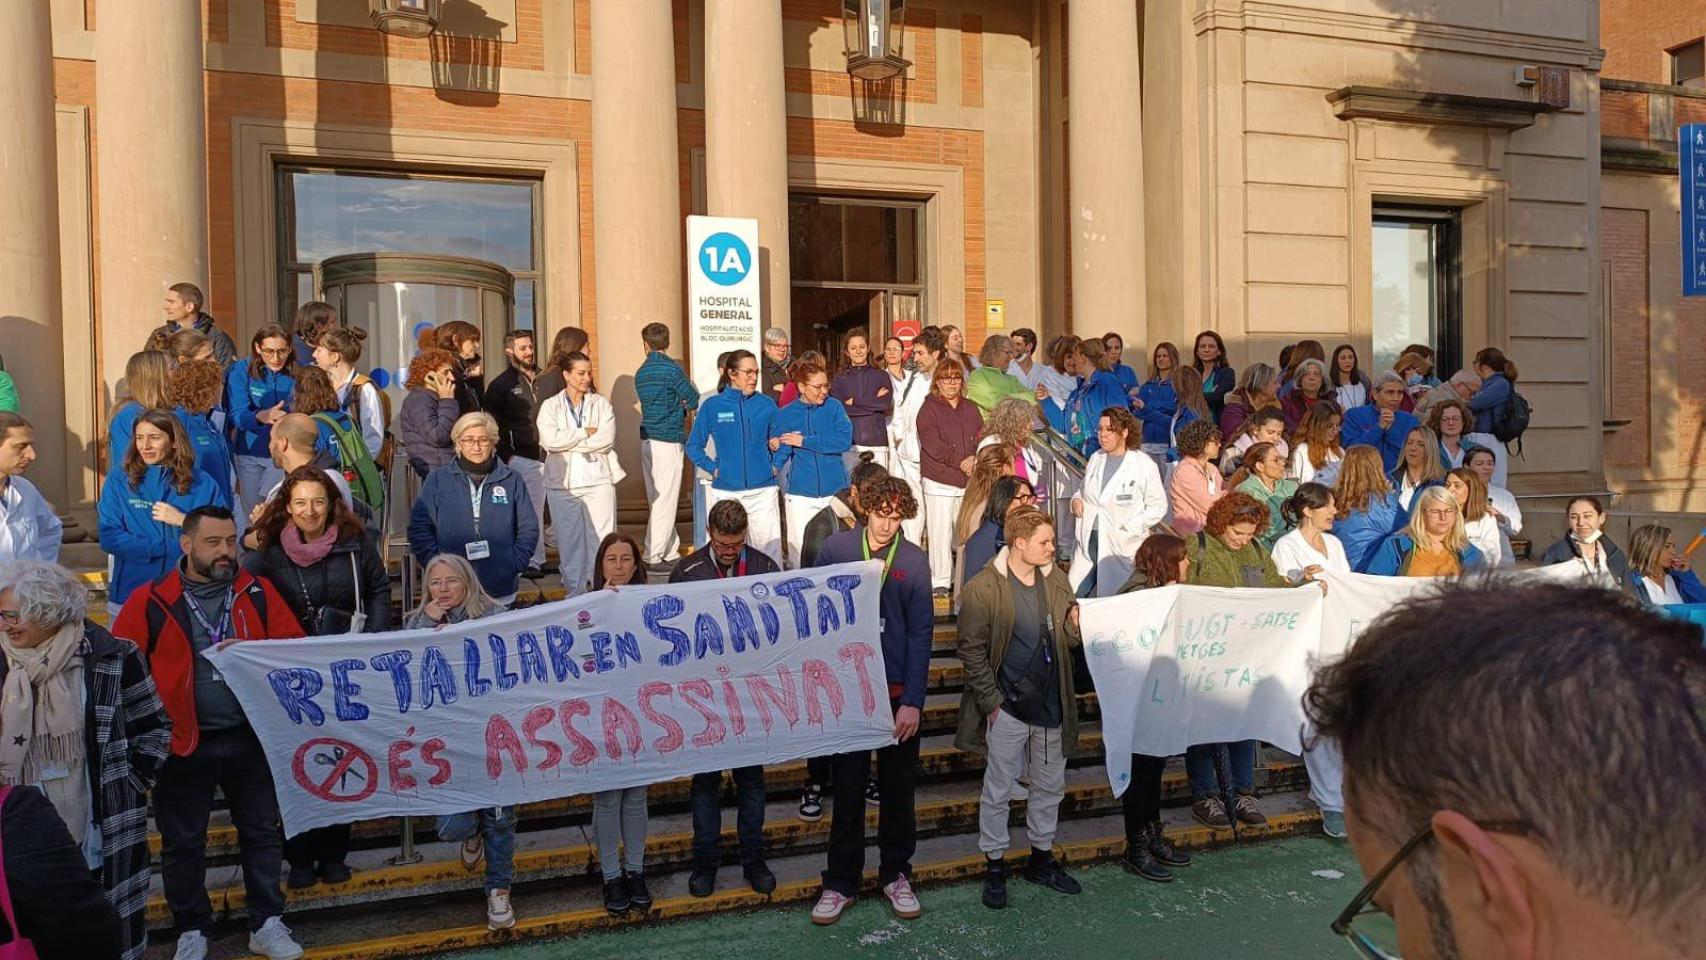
(1636, 34)
(1623, 113)
(231, 95)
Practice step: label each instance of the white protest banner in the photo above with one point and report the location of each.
(1176, 666)
(613, 689)
(724, 294)
(1354, 600)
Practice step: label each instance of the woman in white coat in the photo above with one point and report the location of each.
(577, 430)
(1121, 500)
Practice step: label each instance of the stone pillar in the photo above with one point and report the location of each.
(33, 345)
(636, 202)
(1105, 142)
(151, 156)
(746, 135)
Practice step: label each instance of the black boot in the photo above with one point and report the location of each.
(1163, 848)
(995, 884)
(616, 899)
(703, 879)
(1140, 860)
(1045, 869)
(759, 876)
(639, 894)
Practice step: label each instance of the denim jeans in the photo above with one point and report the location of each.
(708, 814)
(1199, 766)
(619, 823)
(235, 762)
(496, 826)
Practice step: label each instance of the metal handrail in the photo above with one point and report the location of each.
(1062, 475)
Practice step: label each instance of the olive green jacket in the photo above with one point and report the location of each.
(986, 630)
(1213, 565)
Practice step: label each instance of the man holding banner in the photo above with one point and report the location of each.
(204, 603)
(1017, 626)
(725, 556)
(907, 620)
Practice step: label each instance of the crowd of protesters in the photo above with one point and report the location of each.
(246, 499)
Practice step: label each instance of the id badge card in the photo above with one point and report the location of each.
(590, 457)
(479, 550)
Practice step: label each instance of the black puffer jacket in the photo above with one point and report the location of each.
(353, 568)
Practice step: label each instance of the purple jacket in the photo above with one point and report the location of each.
(858, 388)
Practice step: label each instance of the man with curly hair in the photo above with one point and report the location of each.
(906, 620)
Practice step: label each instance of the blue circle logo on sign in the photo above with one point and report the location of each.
(725, 258)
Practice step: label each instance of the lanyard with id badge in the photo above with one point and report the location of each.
(216, 629)
(580, 424)
(478, 548)
(888, 562)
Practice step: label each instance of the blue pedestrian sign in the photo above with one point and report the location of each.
(1692, 139)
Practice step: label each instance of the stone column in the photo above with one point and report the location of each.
(636, 202)
(29, 240)
(746, 134)
(151, 156)
(1105, 141)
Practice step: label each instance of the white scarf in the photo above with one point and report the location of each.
(41, 722)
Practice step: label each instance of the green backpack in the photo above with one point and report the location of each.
(366, 482)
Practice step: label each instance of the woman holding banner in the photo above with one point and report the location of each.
(1301, 555)
(1658, 575)
(1433, 545)
(454, 595)
(1148, 853)
(1310, 547)
(619, 817)
(1227, 554)
(319, 556)
(1586, 543)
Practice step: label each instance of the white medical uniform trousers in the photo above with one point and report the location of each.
(583, 516)
(763, 517)
(941, 509)
(660, 464)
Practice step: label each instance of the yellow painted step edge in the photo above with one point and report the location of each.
(595, 918)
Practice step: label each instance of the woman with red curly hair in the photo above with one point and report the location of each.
(195, 388)
(429, 411)
(1227, 554)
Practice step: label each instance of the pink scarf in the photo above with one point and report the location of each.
(306, 553)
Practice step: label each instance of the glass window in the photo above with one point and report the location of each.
(362, 213)
(1688, 64)
(1416, 287)
(324, 213)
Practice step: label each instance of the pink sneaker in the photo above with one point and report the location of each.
(829, 907)
(901, 898)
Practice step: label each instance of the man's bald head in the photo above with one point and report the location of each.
(298, 432)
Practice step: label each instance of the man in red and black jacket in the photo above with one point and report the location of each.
(205, 602)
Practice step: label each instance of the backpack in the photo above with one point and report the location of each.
(366, 483)
(352, 403)
(1511, 418)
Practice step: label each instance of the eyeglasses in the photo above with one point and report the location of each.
(468, 441)
(285, 352)
(1025, 497)
(1372, 932)
(12, 617)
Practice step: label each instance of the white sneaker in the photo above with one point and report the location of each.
(499, 914)
(273, 941)
(901, 898)
(829, 907)
(192, 945)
